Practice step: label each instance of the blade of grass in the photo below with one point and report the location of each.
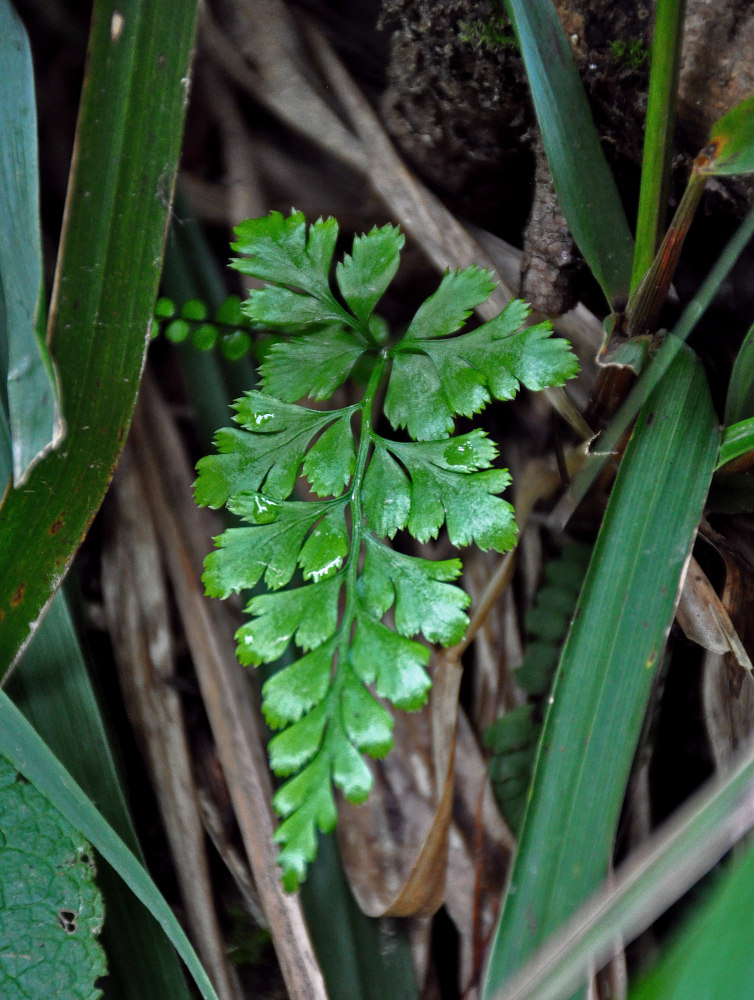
(658, 134)
(683, 850)
(737, 440)
(361, 958)
(713, 957)
(28, 753)
(606, 669)
(585, 187)
(652, 375)
(739, 403)
(52, 688)
(127, 146)
(33, 398)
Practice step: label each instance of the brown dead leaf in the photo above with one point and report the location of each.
(184, 537)
(138, 619)
(703, 615)
(727, 689)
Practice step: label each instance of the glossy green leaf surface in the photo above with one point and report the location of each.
(364, 274)
(52, 911)
(433, 380)
(606, 669)
(513, 737)
(739, 402)
(26, 751)
(30, 392)
(737, 440)
(585, 187)
(733, 140)
(127, 146)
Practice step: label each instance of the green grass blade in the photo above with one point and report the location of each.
(607, 665)
(28, 753)
(658, 134)
(31, 395)
(714, 955)
(585, 187)
(127, 146)
(683, 850)
(737, 440)
(653, 373)
(361, 958)
(51, 686)
(739, 403)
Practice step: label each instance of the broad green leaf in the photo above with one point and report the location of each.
(52, 911)
(585, 187)
(130, 120)
(26, 751)
(368, 725)
(424, 601)
(448, 309)
(266, 454)
(245, 554)
(737, 440)
(331, 462)
(733, 140)
(326, 547)
(314, 364)
(307, 614)
(386, 494)
(292, 691)
(29, 387)
(364, 275)
(392, 662)
(295, 746)
(280, 251)
(606, 669)
(452, 482)
(281, 309)
(739, 403)
(433, 380)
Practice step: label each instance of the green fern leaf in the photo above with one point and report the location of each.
(330, 575)
(434, 380)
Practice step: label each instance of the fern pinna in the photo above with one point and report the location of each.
(330, 575)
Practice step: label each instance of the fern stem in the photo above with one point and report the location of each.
(365, 442)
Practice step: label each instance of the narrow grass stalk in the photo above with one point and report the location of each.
(658, 134)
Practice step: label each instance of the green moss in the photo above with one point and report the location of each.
(491, 33)
(629, 52)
